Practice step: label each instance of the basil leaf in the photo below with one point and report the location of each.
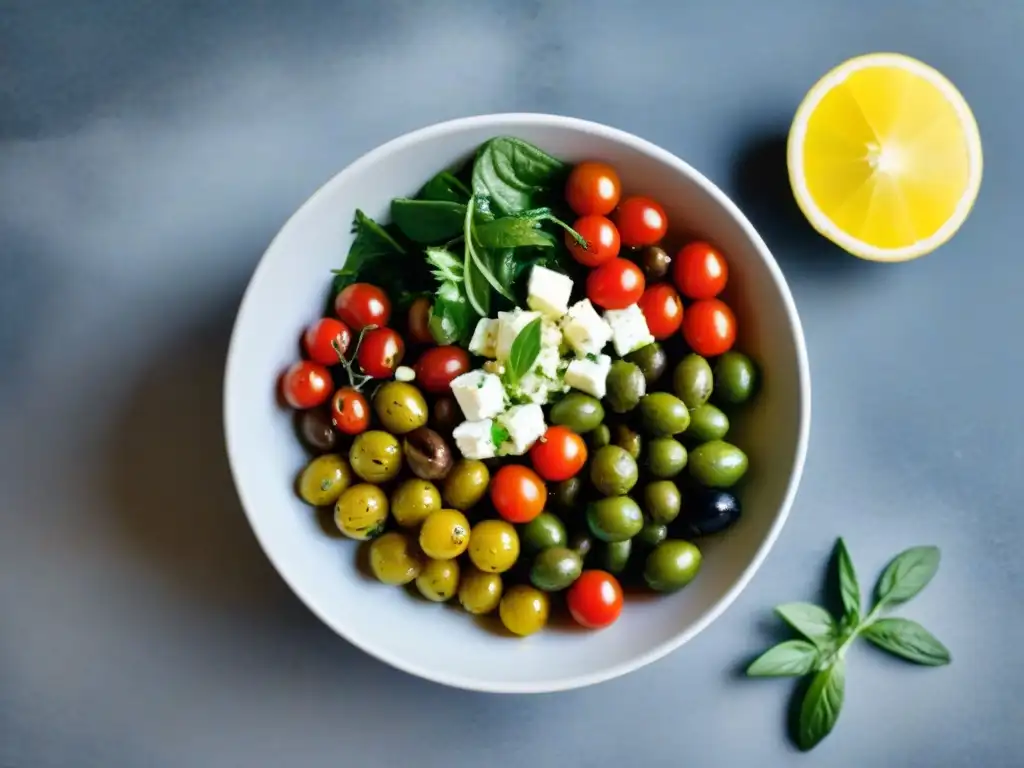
(498, 434)
(428, 221)
(814, 623)
(524, 351)
(907, 639)
(907, 574)
(445, 186)
(821, 705)
(372, 242)
(789, 659)
(512, 232)
(846, 576)
(516, 175)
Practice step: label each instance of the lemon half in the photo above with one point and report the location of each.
(884, 157)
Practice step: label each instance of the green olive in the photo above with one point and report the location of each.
(664, 414)
(376, 456)
(579, 412)
(671, 565)
(654, 263)
(707, 423)
(439, 580)
(413, 501)
(555, 568)
(666, 457)
(566, 493)
(615, 555)
(543, 532)
(652, 534)
(717, 464)
(394, 558)
(582, 543)
(662, 501)
(651, 360)
(524, 610)
(324, 479)
(494, 546)
(400, 407)
(361, 511)
(479, 592)
(692, 380)
(466, 484)
(735, 378)
(626, 385)
(600, 437)
(615, 519)
(627, 439)
(613, 471)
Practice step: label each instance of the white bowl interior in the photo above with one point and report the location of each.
(439, 642)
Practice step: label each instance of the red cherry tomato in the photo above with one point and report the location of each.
(518, 493)
(593, 188)
(306, 385)
(381, 352)
(438, 366)
(663, 310)
(709, 327)
(700, 271)
(559, 455)
(641, 221)
(320, 338)
(419, 321)
(350, 413)
(362, 304)
(602, 241)
(595, 599)
(615, 284)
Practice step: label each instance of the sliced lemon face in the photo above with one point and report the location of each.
(884, 157)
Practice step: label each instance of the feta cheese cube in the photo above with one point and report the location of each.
(548, 362)
(629, 329)
(479, 395)
(550, 334)
(485, 338)
(509, 326)
(589, 375)
(584, 329)
(536, 388)
(525, 425)
(548, 292)
(475, 439)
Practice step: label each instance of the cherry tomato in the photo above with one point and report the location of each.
(362, 304)
(518, 493)
(602, 241)
(615, 284)
(559, 455)
(641, 221)
(593, 188)
(700, 271)
(320, 338)
(663, 310)
(350, 413)
(595, 599)
(381, 352)
(438, 366)
(709, 327)
(306, 384)
(419, 321)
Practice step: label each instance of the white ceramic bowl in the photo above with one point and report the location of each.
(442, 643)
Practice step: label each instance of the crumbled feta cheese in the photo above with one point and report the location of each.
(479, 395)
(589, 375)
(404, 373)
(584, 329)
(536, 388)
(548, 362)
(629, 329)
(509, 326)
(525, 425)
(548, 292)
(485, 338)
(475, 440)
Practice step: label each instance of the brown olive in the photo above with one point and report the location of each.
(419, 321)
(316, 431)
(654, 263)
(427, 454)
(446, 415)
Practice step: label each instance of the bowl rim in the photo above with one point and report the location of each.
(506, 123)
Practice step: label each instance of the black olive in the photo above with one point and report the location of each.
(446, 415)
(654, 263)
(427, 454)
(708, 511)
(316, 431)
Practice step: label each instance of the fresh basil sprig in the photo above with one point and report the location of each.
(822, 655)
(524, 352)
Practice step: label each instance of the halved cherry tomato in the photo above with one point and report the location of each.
(602, 241)
(306, 384)
(350, 412)
(593, 188)
(321, 337)
(381, 352)
(615, 284)
(518, 493)
(559, 455)
(419, 321)
(438, 366)
(595, 599)
(641, 221)
(709, 327)
(663, 310)
(362, 304)
(700, 271)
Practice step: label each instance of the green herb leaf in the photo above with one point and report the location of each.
(516, 175)
(372, 242)
(498, 434)
(821, 705)
(451, 319)
(447, 266)
(789, 659)
(524, 351)
(849, 589)
(512, 232)
(428, 221)
(907, 574)
(814, 623)
(445, 186)
(907, 639)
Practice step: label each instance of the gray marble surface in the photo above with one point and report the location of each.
(150, 149)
